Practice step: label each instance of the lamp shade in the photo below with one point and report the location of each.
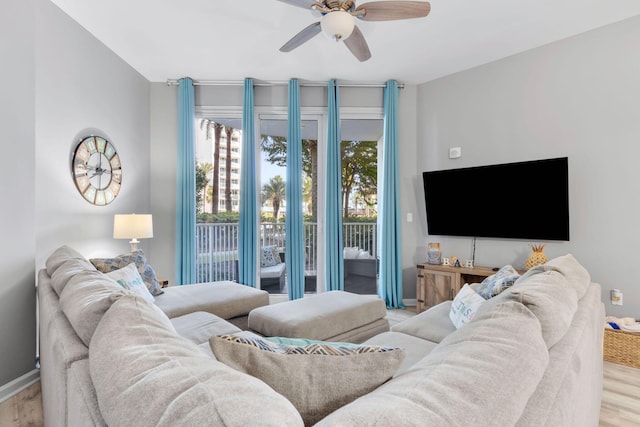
(337, 25)
(132, 226)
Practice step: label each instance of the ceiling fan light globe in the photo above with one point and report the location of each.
(337, 25)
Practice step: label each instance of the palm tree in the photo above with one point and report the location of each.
(206, 169)
(274, 191)
(217, 134)
(211, 126)
(308, 193)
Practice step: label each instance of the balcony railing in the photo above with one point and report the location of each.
(217, 245)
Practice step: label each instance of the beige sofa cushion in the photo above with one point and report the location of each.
(577, 276)
(146, 375)
(307, 317)
(67, 270)
(476, 376)
(59, 256)
(224, 299)
(85, 299)
(549, 296)
(433, 325)
(317, 377)
(415, 348)
(199, 326)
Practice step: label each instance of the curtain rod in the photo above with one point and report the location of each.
(174, 82)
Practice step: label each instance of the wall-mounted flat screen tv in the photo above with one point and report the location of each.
(524, 200)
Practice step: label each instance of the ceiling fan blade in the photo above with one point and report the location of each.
(303, 36)
(306, 4)
(392, 10)
(358, 45)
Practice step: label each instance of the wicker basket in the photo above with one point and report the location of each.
(622, 347)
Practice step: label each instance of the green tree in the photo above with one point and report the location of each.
(359, 169)
(206, 169)
(201, 183)
(216, 128)
(274, 192)
(215, 188)
(275, 148)
(307, 197)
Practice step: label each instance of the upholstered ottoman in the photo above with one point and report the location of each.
(228, 300)
(330, 316)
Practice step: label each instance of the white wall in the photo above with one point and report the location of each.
(575, 98)
(81, 84)
(17, 187)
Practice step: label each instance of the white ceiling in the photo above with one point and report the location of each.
(233, 39)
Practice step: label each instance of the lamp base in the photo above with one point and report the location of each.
(134, 244)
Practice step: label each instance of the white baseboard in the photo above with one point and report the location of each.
(410, 302)
(14, 387)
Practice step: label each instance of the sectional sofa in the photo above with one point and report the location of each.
(531, 356)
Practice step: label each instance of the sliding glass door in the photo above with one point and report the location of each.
(361, 142)
(218, 168)
(273, 208)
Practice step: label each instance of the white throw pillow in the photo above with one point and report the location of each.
(362, 254)
(351, 253)
(129, 278)
(464, 306)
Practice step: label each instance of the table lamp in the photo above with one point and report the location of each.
(132, 227)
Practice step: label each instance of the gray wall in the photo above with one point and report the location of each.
(409, 188)
(60, 81)
(163, 170)
(82, 85)
(576, 98)
(17, 190)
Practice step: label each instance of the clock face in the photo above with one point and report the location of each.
(97, 172)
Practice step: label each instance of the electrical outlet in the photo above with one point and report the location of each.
(409, 217)
(616, 297)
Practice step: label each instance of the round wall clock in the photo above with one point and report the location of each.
(96, 170)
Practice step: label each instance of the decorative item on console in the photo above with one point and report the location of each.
(434, 255)
(536, 257)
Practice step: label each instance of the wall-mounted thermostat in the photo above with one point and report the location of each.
(455, 152)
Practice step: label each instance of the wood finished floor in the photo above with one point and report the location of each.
(620, 399)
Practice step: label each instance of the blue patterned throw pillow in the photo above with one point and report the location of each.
(107, 265)
(494, 284)
(269, 256)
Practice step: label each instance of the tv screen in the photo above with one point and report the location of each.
(525, 200)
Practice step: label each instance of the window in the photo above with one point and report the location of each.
(220, 146)
(216, 203)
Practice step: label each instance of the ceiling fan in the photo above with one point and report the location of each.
(338, 20)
